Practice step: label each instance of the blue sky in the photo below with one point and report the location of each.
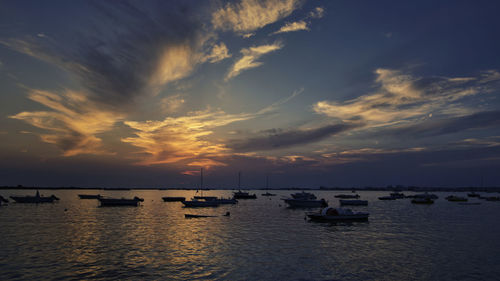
(333, 93)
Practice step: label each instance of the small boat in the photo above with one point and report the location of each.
(120, 201)
(453, 198)
(387, 198)
(347, 196)
(422, 201)
(397, 195)
(189, 216)
(89, 196)
(303, 195)
(244, 195)
(268, 194)
(337, 214)
(195, 203)
(493, 198)
(205, 197)
(473, 194)
(34, 199)
(173, 199)
(425, 195)
(305, 203)
(3, 200)
(353, 202)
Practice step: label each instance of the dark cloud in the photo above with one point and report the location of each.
(435, 127)
(115, 54)
(277, 138)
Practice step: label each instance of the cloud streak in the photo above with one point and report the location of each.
(249, 15)
(250, 57)
(292, 26)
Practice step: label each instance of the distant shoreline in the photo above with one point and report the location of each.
(388, 188)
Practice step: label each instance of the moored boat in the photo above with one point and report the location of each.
(387, 198)
(89, 196)
(244, 195)
(35, 199)
(205, 197)
(473, 194)
(173, 199)
(303, 195)
(120, 201)
(353, 202)
(268, 194)
(422, 201)
(223, 200)
(195, 203)
(305, 203)
(347, 196)
(337, 214)
(397, 195)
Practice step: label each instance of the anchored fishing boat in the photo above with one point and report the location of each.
(173, 199)
(35, 199)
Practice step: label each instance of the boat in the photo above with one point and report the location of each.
(190, 216)
(89, 196)
(223, 200)
(205, 197)
(195, 203)
(422, 201)
(493, 198)
(353, 202)
(347, 196)
(105, 202)
(173, 199)
(241, 194)
(337, 214)
(3, 200)
(453, 198)
(305, 203)
(397, 195)
(268, 194)
(473, 194)
(387, 198)
(34, 199)
(424, 195)
(303, 195)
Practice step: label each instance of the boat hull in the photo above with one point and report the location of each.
(173, 199)
(32, 199)
(89, 196)
(200, 204)
(353, 202)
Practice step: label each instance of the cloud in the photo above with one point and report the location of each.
(317, 13)
(278, 139)
(435, 127)
(219, 52)
(181, 138)
(292, 26)
(134, 51)
(249, 15)
(172, 103)
(73, 124)
(250, 57)
(404, 98)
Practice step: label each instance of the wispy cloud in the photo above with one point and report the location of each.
(73, 124)
(404, 98)
(292, 26)
(172, 103)
(249, 15)
(250, 57)
(317, 13)
(278, 138)
(219, 52)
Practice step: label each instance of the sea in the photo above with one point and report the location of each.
(262, 239)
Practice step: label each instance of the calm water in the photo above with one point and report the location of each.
(261, 240)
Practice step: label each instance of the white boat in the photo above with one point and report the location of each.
(305, 203)
(337, 214)
(354, 202)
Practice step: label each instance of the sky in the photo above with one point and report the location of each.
(304, 93)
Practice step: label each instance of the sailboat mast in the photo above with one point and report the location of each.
(239, 180)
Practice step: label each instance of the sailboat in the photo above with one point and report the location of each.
(240, 194)
(202, 201)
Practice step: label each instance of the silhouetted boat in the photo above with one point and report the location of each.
(195, 203)
(397, 195)
(205, 197)
(268, 194)
(347, 196)
(224, 200)
(188, 216)
(424, 196)
(120, 201)
(244, 195)
(422, 201)
(3, 200)
(387, 198)
(173, 199)
(305, 203)
(89, 196)
(353, 202)
(303, 195)
(473, 194)
(34, 199)
(454, 198)
(337, 214)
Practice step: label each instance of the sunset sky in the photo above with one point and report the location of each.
(310, 93)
